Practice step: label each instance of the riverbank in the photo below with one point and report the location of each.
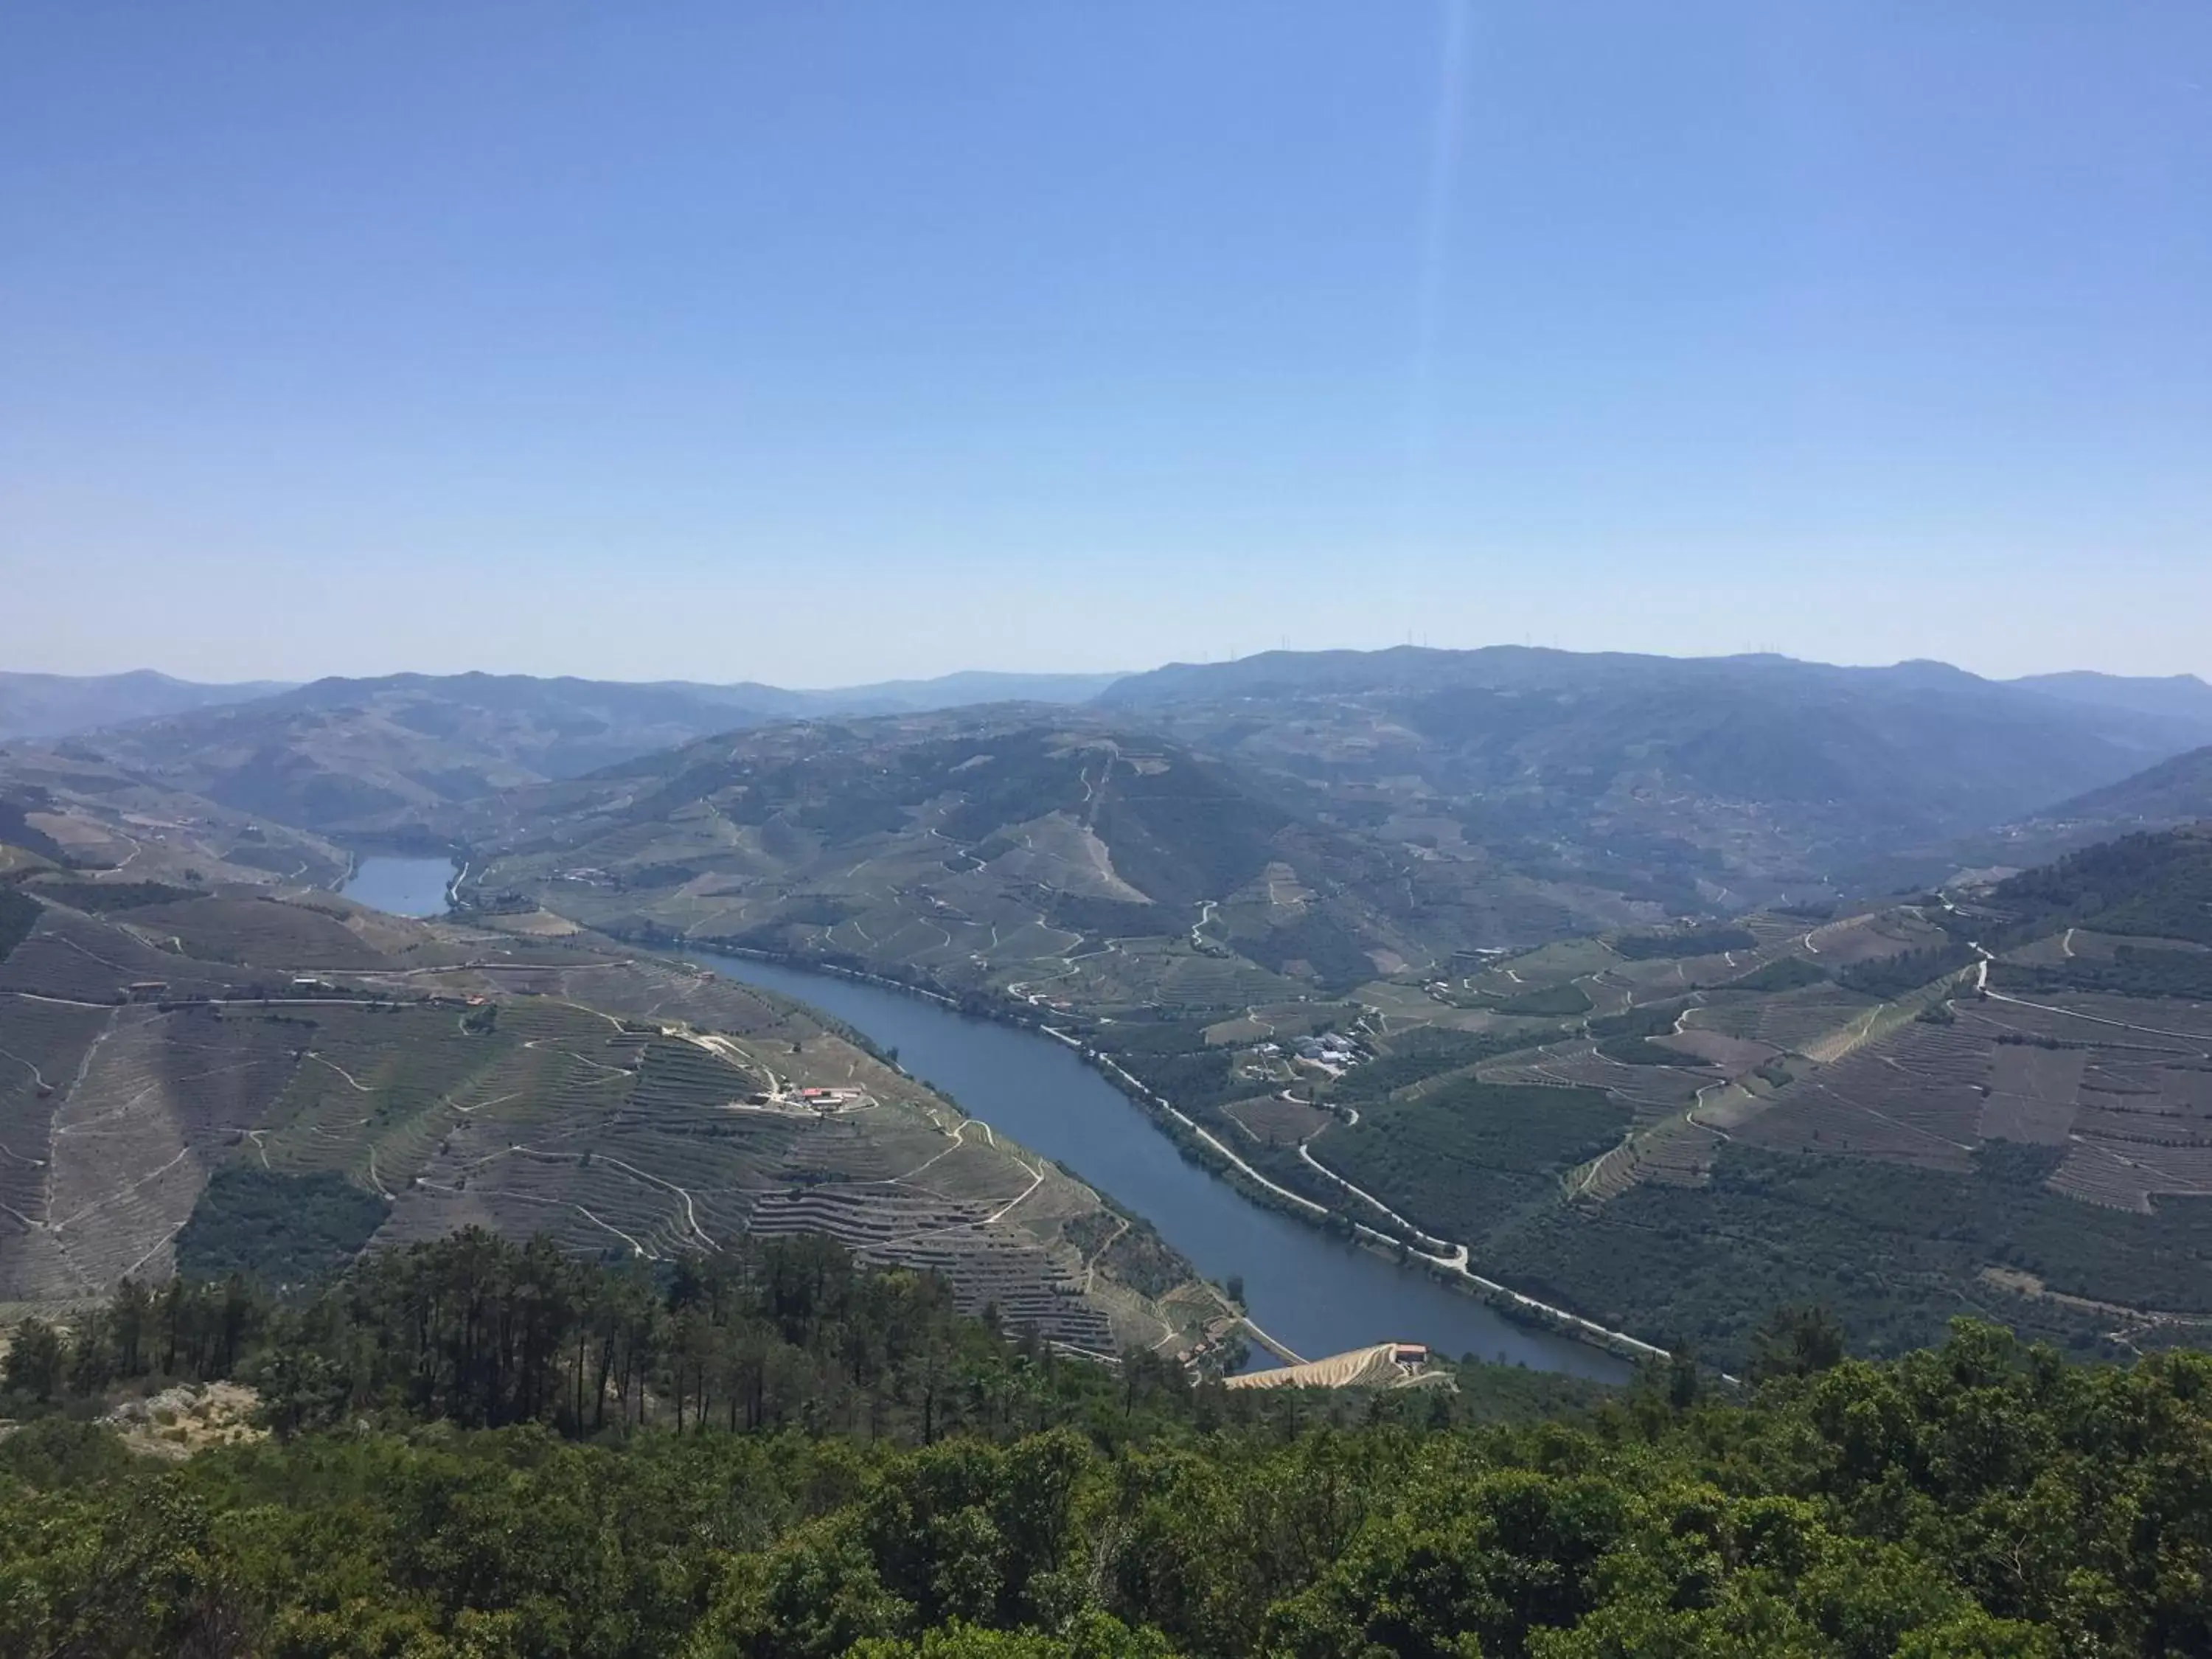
(403, 884)
(1450, 1266)
(1444, 1265)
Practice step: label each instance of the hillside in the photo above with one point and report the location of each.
(2003, 1098)
(74, 810)
(1694, 784)
(386, 756)
(996, 848)
(2156, 888)
(1554, 1066)
(271, 1084)
(1669, 1129)
(2176, 791)
(2179, 696)
(1308, 821)
(457, 1465)
(36, 706)
(1738, 1111)
(1565, 790)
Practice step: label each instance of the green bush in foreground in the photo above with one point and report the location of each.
(1984, 1498)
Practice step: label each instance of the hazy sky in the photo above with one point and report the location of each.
(826, 342)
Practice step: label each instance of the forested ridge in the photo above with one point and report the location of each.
(481, 1447)
(481, 1332)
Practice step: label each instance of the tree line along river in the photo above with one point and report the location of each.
(1309, 1291)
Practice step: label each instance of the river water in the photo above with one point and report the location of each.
(1306, 1290)
(401, 886)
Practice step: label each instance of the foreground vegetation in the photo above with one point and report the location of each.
(486, 1449)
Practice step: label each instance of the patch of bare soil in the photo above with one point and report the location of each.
(178, 1422)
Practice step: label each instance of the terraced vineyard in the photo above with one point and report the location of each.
(451, 1076)
(162, 1096)
(47, 1044)
(1917, 1096)
(1866, 1041)
(1998, 1097)
(116, 825)
(1741, 1082)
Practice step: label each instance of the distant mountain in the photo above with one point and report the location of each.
(1411, 670)
(2174, 791)
(81, 812)
(371, 757)
(978, 843)
(1571, 784)
(1691, 782)
(57, 705)
(2176, 696)
(1284, 838)
(955, 691)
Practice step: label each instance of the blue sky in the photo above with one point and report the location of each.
(828, 341)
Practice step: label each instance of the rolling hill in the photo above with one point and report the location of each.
(1576, 935)
(76, 811)
(55, 705)
(1299, 821)
(281, 1081)
(1939, 744)
(1999, 1098)
(2001, 1092)
(991, 848)
(384, 756)
(1574, 789)
(2173, 697)
(2176, 791)
(1696, 784)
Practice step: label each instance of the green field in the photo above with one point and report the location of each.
(1468, 1160)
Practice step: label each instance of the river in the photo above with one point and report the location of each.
(403, 886)
(1315, 1294)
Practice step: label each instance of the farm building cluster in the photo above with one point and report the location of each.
(1332, 1051)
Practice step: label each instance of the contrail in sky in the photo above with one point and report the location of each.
(1446, 135)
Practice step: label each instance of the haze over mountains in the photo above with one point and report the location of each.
(1636, 947)
(381, 754)
(1581, 782)
(2173, 792)
(2184, 696)
(1774, 769)
(2166, 796)
(58, 705)
(55, 705)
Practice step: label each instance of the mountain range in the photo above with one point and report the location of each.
(1583, 788)
(41, 706)
(1693, 783)
(55, 705)
(1616, 945)
(369, 756)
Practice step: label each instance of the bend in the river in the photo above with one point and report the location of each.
(1312, 1292)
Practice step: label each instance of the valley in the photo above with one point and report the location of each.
(1306, 1291)
(1571, 981)
(233, 1080)
(1106, 832)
